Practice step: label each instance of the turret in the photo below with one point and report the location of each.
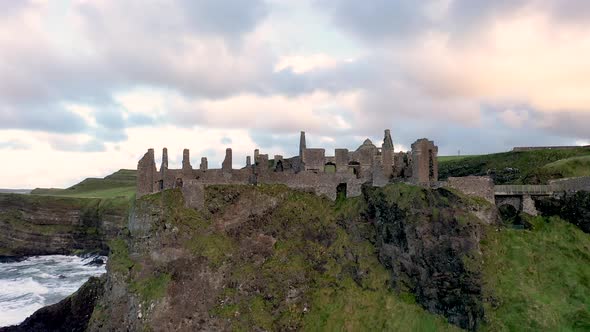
(186, 161)
(302, 144)
(204, 164)
(164, 165)
(226, 166)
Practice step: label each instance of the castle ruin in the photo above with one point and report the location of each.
(341, 174)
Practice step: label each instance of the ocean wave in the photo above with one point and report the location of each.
(39, 281)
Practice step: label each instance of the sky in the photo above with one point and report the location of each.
(87, 86)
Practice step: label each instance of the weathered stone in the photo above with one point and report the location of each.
(311, 170)
(424, 162)
(186, 160)
(226, 166)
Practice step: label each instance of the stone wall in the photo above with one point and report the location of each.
(480, 186)
(314, 159)
(424, 162)
(308, 171)
(532, 148)
(146, 171)
(573, 184)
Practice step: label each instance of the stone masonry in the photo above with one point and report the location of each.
(341, 174)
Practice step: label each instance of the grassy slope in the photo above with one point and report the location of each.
(539, 279)
(511, 167)
(119, 184)
(571, 167)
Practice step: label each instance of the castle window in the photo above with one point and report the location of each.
(330, 168)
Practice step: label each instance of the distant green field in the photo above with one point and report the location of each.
(119, 184)
(519, 167)
(449, 158)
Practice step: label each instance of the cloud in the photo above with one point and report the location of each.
(69, 145)
(14, 144)
(226, 17)
(51, 119)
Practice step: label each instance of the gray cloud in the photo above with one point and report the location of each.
(226, 17)
(73, 146)
(406, 19)
(375, 20)
(51, 119)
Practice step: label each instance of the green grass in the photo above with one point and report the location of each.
(119, 260)
(537, 280)
(451, 158)
(521, 167)
(119, 184)
(571, 167)
(152, 288)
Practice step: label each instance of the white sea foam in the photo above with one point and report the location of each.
(39, 281)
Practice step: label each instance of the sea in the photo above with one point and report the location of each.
(39, 281)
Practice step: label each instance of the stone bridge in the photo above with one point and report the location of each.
(521, 196)
(518, 196)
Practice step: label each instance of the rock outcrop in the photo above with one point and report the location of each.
(430, 242)
(44, 225)
(573, 207)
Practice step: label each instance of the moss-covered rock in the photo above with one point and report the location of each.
(256, 258)
(429, 240)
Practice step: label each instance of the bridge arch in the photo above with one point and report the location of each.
(514, 201)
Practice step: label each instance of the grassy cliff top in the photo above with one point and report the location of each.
(119, 184)
(519, 167)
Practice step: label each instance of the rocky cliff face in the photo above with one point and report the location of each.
(42, 225)
(573, 207)
(269, 258)
(430, 242)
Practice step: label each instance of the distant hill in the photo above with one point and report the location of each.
(15, 191)
(520, 167)
(120, 183)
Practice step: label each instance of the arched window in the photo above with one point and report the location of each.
(330, 168)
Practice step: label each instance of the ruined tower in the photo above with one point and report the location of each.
(204, 164)
(186, 161)
(424, 162)
(387, 155)
(226, 166)
(164, 165)
(146, 174)
(302, 144)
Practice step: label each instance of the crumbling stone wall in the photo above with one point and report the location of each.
(424, 161)
(146, 173)
(314, 159)
(480, 186)
(311, 170)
